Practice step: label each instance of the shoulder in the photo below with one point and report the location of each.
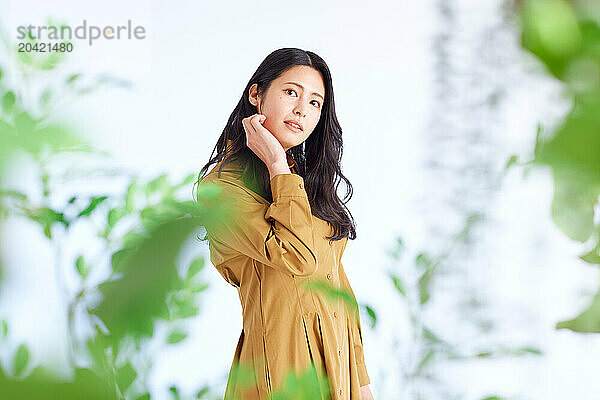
(230, 184)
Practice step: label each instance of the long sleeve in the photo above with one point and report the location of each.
(356, 330)
(279, 235)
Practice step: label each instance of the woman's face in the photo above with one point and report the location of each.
(295, 96)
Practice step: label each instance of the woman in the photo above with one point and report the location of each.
(283, 234)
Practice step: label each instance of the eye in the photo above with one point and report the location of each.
(318, 105)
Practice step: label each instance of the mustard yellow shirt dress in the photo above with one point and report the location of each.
(267, 251)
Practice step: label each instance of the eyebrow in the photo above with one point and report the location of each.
(299, 85)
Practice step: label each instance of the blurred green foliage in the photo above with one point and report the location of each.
(427, 348)
(142, 231)
(308, 385)
(565, 37)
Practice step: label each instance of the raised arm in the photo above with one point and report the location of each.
(279, 235)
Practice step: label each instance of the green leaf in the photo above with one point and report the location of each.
(133, 239)
(203, 392)
(21, 359)
(195, 267)
(145, 396)
(125, 377)
(114, 215)
(132, 192)
(8, 101)
(47, 217)
(430, 336)
(82, 267)
(208, 190)
(422, 260)
(424, 283)
(118, 258)
(555, 25)
(398, 284)
(184, 309)
(94, 202)
(372, 316)
(587, 321)
(189, 207)
(175, 392)
(25, 124)
(176, 337)
(427, 358)
(151, 217)
(4, 329)
(199, 288)
(72, 78)
(305, 384)
(44, 383)
(157, 184)
(551, 32)
(147, 275)
(187, 180)
(512, 160)
(529, 350)
(592, 257)
(331, 292)
(573, 205)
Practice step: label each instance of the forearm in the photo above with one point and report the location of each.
(365, 393)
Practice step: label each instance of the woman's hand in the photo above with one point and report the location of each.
(262, 142)
(365, 393)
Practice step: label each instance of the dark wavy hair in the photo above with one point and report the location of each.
(317, 158)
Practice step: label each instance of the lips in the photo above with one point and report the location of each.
(294, 124)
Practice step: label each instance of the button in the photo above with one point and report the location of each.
(340, 392)
(339, 353)
(331, 242)
(335, 314)
(328, 276)
(301, 186)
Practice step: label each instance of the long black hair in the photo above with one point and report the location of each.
(317, 158)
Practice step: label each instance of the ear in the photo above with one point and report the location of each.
(253, 95)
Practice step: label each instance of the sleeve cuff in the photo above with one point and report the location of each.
(287, 185)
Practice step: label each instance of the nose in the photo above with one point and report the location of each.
(300, 110)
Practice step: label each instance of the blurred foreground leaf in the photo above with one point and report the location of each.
(43, 384)
(587, 321)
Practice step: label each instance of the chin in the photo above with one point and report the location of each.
(287, 141)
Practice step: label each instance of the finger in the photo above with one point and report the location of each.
(255, 123)
(247, 126)
(257, 120)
